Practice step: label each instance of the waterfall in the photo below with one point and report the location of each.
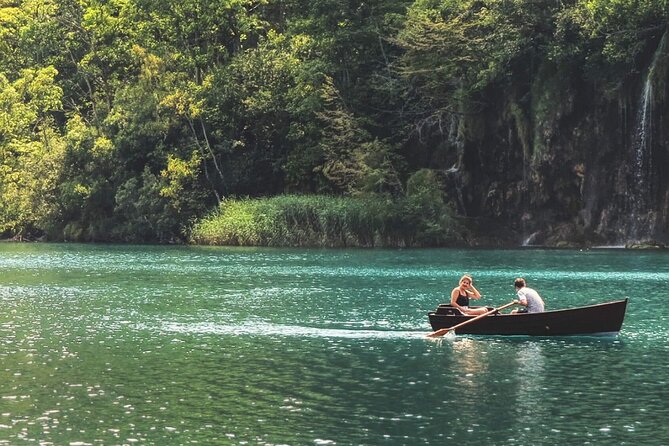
(640, 192)
(529, 241)
(641, 168)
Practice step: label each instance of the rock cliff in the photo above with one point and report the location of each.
(555, 160)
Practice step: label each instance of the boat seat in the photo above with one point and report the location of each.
(448, 310)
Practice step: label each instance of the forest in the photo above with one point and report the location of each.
(426, 122)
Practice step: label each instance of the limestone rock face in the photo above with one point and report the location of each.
(561, 164)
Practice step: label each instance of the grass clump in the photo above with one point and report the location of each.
(327, 221)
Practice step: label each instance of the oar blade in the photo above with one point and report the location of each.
(440, 332)
(440, 335)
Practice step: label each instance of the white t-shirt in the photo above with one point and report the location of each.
(529, 297)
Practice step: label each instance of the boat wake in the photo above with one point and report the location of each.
(269, 329)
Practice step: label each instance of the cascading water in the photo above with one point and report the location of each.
(641, 222)
(640, 190)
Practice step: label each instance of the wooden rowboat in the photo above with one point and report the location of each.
(604, 319)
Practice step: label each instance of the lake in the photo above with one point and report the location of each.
(106, 344)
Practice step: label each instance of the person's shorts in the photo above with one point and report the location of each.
(522, 310)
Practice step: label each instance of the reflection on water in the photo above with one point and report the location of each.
(529, 409)
(470, 364)
(183, 345)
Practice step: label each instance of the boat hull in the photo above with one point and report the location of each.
(604, 319)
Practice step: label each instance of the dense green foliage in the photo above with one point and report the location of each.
(128, 120)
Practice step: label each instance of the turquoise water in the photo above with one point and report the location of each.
(200, 345)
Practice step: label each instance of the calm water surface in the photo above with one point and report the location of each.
(193, 345)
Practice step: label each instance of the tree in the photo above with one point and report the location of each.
(354, 160)
(31, 152)
(263, 103)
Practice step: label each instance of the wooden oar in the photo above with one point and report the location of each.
(443, 331)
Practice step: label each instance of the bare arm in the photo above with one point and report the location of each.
(473, 292)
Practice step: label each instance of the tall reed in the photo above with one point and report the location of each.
(322, 221)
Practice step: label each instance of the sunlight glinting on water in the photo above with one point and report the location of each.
(309, 268)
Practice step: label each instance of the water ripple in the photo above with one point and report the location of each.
(268, 329)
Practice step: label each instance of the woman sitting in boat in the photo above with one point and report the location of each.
(462, 293)
(527, 297)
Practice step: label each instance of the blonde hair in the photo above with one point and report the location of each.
(466, 276)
